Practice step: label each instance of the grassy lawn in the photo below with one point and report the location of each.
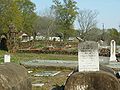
(49, 82)
(17, 57)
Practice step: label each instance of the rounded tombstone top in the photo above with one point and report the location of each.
(112, 40)
(92, 81)
(88, 45)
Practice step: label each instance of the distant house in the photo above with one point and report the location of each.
(40, 38)
(25, 38)
(54, 38)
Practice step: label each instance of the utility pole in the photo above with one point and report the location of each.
(103, 34)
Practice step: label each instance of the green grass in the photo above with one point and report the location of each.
(2, 56)
(17, 57)
(48, 81)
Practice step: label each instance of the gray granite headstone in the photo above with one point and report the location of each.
(88, 58)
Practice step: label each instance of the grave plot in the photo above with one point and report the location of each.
(50, 63)
(89, 75)
(48, 80)
(46, 73)
(37, 84)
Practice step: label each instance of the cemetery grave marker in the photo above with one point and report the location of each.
(88, 58)
(113, 51)
(6, 58)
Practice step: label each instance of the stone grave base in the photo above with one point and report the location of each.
(92, 81)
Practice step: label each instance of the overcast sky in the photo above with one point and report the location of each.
(109, 10)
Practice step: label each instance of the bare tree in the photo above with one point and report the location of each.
(45, 24)
(51, 22)
(87, 21)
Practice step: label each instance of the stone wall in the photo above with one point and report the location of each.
(14, 77)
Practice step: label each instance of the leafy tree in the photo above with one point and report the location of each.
(27, 9)
(113, 34)
(10, 22)
(9, 14)
(29, 16)
(16, 16)
(65, 15)
(94, 34)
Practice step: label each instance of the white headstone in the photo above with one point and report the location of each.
(6, 58)
(113, 51)
(88, 58)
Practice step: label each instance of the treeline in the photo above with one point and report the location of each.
(20, 13)
(19, 16)
(106, 35)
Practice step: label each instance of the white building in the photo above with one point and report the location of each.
(54, 38)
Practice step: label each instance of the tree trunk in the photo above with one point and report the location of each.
(12, 44)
